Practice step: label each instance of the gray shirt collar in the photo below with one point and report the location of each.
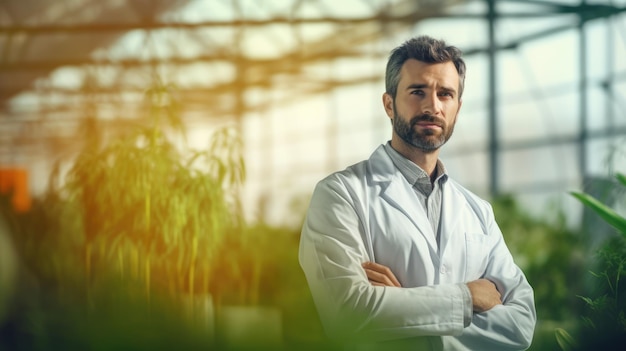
(415, 175)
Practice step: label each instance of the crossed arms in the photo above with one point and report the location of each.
(484, 292)
(496, 312)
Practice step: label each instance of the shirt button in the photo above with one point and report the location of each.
(443, 270)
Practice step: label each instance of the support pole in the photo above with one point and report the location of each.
(583, 103)
(609, 94)
(493, 103)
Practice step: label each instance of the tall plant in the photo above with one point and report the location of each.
(604, 323)
(156, 213)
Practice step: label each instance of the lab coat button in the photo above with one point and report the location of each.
(443, 270)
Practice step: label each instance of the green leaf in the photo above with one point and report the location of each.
(587, 300)
(621, 178)
(564, 339)
(610, 216)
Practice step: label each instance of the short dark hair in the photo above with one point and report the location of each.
(425, 49)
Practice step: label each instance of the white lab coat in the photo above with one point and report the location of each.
(369, 212)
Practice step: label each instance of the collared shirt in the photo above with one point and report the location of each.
(429, 194)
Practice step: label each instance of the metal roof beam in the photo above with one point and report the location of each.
(590, 11)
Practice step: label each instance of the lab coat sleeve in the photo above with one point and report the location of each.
(509, 326)
(332, 250)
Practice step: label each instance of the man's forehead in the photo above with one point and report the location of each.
(444, 72)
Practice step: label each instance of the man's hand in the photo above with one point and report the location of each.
(484, 295)
(380, 275)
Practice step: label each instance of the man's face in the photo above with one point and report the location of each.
(426, 105)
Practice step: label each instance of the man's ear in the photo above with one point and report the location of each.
(388, 104)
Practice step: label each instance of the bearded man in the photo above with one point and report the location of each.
(396, 253)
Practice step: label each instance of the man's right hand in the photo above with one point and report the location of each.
(485, 295)
(380, 275)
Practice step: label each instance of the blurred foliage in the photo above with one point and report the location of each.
(138, 204)
(283, 284)
(604, 318)
(143, 241)
(552, 256)
(151, 212)
(53, 311)
(135, 229)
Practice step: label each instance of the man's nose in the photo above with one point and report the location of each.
(432, 105)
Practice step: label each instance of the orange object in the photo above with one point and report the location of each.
(15, 181)
(6, 180)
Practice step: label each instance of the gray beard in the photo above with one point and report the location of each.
(423, 141)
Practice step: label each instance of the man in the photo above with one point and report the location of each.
(394, 250)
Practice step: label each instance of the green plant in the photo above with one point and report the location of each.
(551, 255)
(604, 321)
(608, 214)
(155, 213)
(138, 228)
(137, 221)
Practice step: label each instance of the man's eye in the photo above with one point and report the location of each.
(445, 94)
(417, 92)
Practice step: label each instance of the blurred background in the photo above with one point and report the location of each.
(174, 145)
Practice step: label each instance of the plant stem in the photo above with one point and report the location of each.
(120, 260)
(148, 263)
(192, 264)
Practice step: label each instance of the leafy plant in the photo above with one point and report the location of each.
(608, 214)
(139, 223)
(564, 339)
(604, 323)
(551, 255)
(152, 212)
(138, 218)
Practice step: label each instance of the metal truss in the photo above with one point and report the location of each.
(39, 39)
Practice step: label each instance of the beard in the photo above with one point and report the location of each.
(427, 140)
